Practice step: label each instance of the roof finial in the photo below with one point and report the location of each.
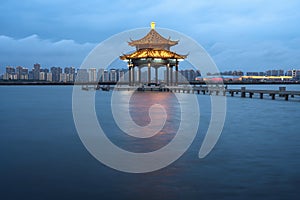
(152, 25)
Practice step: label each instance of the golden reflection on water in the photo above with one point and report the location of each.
(141, 102)
(139, 105)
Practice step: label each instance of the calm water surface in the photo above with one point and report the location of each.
(42, 157)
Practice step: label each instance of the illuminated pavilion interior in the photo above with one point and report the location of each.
(153, 50)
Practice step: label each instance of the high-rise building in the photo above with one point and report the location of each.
(121, 75)
(10, 70)
(63, 77)
(36, 71)
(56, 71)
(82, 75)
(294, 73)
(19, 70)
(30, 75)
(275, 72)
(70, 74)
(252, 74)
(67, 70)
(237, 73)
(10, 73)
(42, 76)
(188, 75)
(100, 74)
(92, 75)
(22, 73)
(49, 77)
(105, 76)
(113, 75)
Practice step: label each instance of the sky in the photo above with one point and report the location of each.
(247, 35)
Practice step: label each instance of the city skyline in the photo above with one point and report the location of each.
(253, 35)
(70, 74)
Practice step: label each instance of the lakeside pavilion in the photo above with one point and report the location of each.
(153, 50)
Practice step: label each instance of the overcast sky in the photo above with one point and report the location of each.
(248, 35)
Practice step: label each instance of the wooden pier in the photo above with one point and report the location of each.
(282, 92)
(213, 90)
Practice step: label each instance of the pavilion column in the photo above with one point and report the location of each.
(129, 73)
(149, 73)
(176, 73)
(171, 75)
(140, 76)
(133, 81)
(167, 73)
(156, 75)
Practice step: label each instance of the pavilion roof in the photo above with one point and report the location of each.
(152, 53)
(153, 37)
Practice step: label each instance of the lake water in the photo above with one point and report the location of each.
(42, 157)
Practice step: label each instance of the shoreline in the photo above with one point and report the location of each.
(114, 83)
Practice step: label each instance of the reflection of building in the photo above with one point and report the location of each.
(153, 50)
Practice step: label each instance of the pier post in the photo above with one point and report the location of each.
(281, 89)
(273, 96)
(243, 92)
(261, 95)
(286, 97)
(250, 94)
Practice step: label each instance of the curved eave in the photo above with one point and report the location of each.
(152, 53)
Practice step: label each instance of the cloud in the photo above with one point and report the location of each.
(246, 34)
(259, 56)
(29, 50)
